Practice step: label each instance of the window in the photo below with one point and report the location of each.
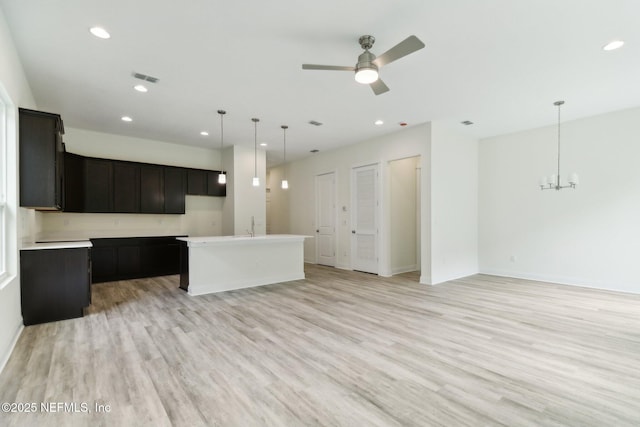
(4, 210)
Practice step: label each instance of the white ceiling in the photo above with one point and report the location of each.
(498, 63)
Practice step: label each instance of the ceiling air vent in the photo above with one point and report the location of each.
(313, 122)
(144, 77)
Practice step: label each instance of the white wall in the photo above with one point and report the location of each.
(119, 147)
(454, 203)
(278, 204)
(203, 215)
(15, 89)
(245, 200)
(589, 236)
(301, 174)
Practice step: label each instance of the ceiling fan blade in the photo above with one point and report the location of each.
(404, 48)
(327, 67)
(379, 87)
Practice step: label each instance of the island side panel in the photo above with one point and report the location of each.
(224, 267)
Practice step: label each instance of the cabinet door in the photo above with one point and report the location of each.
(73, 183)
(104, 265)
(151, 189)
(160, 259)
(197, 182)
(174, 190)
(126, 187)
(40, 160)
(98, 185)
(129, 262)
(213, 187)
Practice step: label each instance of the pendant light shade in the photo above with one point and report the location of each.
(285, 183)
(222, 177)
(256, 180)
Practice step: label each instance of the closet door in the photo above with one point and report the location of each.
(364, 231)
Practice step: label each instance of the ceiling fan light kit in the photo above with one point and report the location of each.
(368, 65)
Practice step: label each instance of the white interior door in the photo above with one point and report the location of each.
(364, 244)
(325, 219)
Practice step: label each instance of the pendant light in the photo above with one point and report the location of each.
(553, 181)
(256, 180)
(222, 177)
(285, 183)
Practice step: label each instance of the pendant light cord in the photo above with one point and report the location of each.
(558, 177)
(284, 144)
(255, 147)
(222, 113)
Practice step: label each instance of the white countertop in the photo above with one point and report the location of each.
(242, 239)
(82, 236)
(56, 245)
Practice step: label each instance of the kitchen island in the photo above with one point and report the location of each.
(223, 263)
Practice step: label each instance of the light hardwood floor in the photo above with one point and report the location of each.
(339, 348)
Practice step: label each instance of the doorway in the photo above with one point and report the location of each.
(325, 219)
(404, 202)
(364, 233)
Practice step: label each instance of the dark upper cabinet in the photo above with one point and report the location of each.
(98, 185)
(95, 185)
(73, 183)
(197, 182)
(126, 187)
(41, 160)
(151, 188)
(174, 190)
(213, 187)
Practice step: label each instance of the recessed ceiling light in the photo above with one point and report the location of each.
(100, 32)
(263, 144)
(126, 119)
(141, 88)
(204, 133)
(378, 122)
(613, 45)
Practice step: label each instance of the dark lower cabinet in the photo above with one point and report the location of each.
(105, 262)
(55, 284)
(134, 258)
(184, 266)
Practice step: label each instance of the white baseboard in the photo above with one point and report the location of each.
(14, 341)
(571, 281)
(404, 269)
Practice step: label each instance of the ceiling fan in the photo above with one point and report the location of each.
(368, 64)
